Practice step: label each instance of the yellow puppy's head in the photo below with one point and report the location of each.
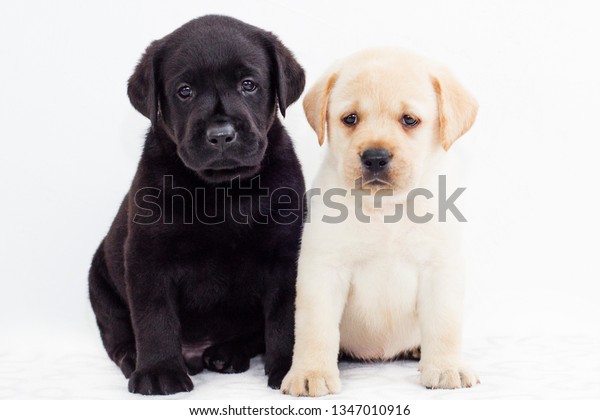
(385, 112)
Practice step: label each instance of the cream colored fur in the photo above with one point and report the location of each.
(377, 289)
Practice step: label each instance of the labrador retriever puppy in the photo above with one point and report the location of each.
(199, 266)
(377, 286)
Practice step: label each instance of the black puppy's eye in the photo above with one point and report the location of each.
(350, 120)
(184, 92)
(409, 121)
(249, 86)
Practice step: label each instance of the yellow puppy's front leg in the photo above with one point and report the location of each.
(440, 302)
(322, 290)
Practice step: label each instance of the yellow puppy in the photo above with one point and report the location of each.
(380, 288)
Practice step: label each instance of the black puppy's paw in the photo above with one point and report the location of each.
(277, 371)
(275, 378)
(160, 382)
(194, 365)
(226, 358)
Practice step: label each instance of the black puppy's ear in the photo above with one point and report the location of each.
(288, 74)
(143, 85)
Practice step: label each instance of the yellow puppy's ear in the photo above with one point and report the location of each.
(457, 109)
(316, 102)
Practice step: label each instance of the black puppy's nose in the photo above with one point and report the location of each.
(375, 159)
(221, 134)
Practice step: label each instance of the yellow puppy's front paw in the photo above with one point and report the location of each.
(311, 383)
(448, 377)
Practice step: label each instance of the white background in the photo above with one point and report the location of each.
(71, 140)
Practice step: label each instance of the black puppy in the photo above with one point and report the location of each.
(198, 269)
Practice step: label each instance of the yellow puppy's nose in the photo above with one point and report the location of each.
(375, 159)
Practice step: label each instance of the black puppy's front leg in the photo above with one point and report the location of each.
(160, 368)
(278, 303)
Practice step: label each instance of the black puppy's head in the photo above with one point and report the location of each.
(213, 85)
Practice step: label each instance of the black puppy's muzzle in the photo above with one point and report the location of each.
(221, 135)
(222, 150)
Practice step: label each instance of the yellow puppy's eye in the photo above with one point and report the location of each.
(409, 121)
(350, 120)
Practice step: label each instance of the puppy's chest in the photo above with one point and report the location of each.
(398, 244)
(380, 319)
(385, 284)
(385, 269)
(219, 277)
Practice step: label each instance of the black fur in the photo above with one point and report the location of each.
(173, 292)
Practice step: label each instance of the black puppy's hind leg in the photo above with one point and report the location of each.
(112, 316)
(233, 356)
